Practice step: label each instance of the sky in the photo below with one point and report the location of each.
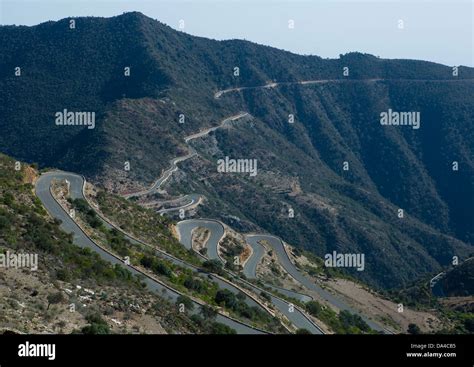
(434, 30)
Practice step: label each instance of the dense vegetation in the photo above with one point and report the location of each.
(343, 322)
(459, 281)
(178, 277)
(144, 224)
(231, 250)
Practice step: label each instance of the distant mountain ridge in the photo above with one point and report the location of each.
(173, 73)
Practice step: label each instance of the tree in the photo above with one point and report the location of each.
(94, 329)
(266, 296)
(186, 301)
(469, 325)
(54, 298)
(302, 332)
(314, 308)
(413, 329)
(4, 222)
(226, 298)
(208, 312)
(8, 198)
(162, 268)
(63, 275)
(218, 328)
(194, 284)
(349, 320)
(97, 325)
(213, 266)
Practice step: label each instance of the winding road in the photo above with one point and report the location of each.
(270, 85)
(217, 232)
(76, 184)
(174, 162)
(43, 192)
(277, 245)
(185, 230)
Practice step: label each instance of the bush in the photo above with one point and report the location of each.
(266, 296)
(218, 328)
(161, 268)
(193, 284)
(97, 325)
(349, 320)
(157, 266)
(208, 312)
(314, 308)
(186, 301)
(54, 298)
(226, 298)
(63, 275)
(213, 266)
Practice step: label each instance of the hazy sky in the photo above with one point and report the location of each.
(440, 30)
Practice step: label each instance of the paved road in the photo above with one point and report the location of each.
(174, 162)
(217, 231)
(81, 239)
(250, 268)
(292, 294)
(435, 285)
(188, 201)
(185, 231)
(185, 228)
(276, 244)
(278, 247)
(163, 178)
(270, 85)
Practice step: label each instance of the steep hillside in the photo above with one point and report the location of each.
(459, 281)
(37, 298)
(451, 298)
(300, 164)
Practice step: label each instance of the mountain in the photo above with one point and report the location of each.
(300, 164)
